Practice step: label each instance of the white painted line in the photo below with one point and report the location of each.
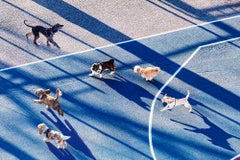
(164, 86)
(237, 157)
(115, 44)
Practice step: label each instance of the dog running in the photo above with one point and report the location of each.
(47, 32)
(173, 102)
(44, 97)
(100, 67)
(148, 73)
(51, 135)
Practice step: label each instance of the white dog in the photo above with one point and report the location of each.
(50, 135)
(173, 102)
(148, 73)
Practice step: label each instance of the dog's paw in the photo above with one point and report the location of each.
(111, 73)
(46, 139)
(47, 107)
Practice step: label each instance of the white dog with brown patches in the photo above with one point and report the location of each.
(173, 102)
(51, 135)
(148, 73)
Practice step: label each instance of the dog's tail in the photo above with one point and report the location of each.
(58, 93)
(188, 94)
(27, 24)
(65, 137)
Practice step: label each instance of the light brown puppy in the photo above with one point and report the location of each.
(148, 73)
(48, 100)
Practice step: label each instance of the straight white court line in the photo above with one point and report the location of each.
(119, 43)
(164, 86)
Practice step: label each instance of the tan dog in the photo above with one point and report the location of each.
(45, 98)
(51, 135)
(173, 102)
(148, 73)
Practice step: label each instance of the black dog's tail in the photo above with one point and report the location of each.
(27, 24)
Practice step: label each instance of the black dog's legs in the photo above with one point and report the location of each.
(50, 39)
(36, 36)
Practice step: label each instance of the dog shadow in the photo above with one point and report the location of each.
(75, 141)
(215, 134)
(60, 153)
(129, 90)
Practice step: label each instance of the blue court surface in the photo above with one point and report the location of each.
(116, 117)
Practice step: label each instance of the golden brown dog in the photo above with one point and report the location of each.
(148, 73)
(45, 98)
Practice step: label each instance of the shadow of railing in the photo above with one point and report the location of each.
(204, 14)
(14, 150)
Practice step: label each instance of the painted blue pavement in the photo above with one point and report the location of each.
(109, 118)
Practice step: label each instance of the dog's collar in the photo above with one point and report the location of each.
(49, 30)
(46, 132)
(173, 101)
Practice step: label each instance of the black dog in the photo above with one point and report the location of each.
(98, 68)
(47, 32)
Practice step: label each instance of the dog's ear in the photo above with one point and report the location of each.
(40, 128)
(47, 91)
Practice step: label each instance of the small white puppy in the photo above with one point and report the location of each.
(148, 73)
(51, 135)
(173, 102)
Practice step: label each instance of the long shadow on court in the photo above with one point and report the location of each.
(216, 135)
(78, 17)
(60, 153)
(75, 140)
(14, 150)
(130, 90)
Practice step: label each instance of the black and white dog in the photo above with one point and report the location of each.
(51, 135)
(98, 68)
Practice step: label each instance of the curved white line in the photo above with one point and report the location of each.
(154, 101)
(168, 81)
